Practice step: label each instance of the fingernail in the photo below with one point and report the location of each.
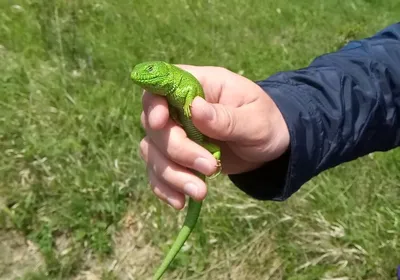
(203, 165)
(191, 189)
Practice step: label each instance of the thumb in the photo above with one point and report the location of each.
(220, 122)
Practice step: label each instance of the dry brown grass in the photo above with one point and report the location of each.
(17, 255)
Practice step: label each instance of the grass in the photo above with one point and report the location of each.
(74, 190)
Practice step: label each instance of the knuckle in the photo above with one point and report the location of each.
(229, 122)
(175, 150)
(165, 172)
(154, 185)
(143, 120)
(157, 191)
(221, 70)
(143, 148)
(146, 97)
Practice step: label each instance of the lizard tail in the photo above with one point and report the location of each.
(192, 215)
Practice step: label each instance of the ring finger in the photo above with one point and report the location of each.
(178, 178)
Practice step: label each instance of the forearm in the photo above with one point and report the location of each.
(343, 106)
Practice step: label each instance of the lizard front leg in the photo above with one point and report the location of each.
(190, 95)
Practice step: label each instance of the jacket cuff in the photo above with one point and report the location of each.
(278, 179)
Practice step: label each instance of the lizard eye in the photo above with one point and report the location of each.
(150, 68)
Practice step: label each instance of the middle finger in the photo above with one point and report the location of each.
(173, 142)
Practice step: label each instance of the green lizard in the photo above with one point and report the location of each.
(179, 88)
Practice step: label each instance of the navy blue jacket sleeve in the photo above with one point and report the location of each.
(344, 105)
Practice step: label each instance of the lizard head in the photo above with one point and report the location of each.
(152, 76)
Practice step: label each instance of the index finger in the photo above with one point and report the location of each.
(155, 110)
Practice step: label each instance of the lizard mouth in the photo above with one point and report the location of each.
(142, 79)
(136, 77)
(146, 79)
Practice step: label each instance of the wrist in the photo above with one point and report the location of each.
(279, 136)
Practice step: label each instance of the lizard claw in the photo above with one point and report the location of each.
(219, 170)
(187, 112)
(187, 107)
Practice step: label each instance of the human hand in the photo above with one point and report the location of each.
(237, 114)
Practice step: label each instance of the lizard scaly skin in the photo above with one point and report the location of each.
(179, 88)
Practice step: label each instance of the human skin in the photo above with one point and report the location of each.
(240, 117)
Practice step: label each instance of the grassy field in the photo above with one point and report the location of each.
(74, 200)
